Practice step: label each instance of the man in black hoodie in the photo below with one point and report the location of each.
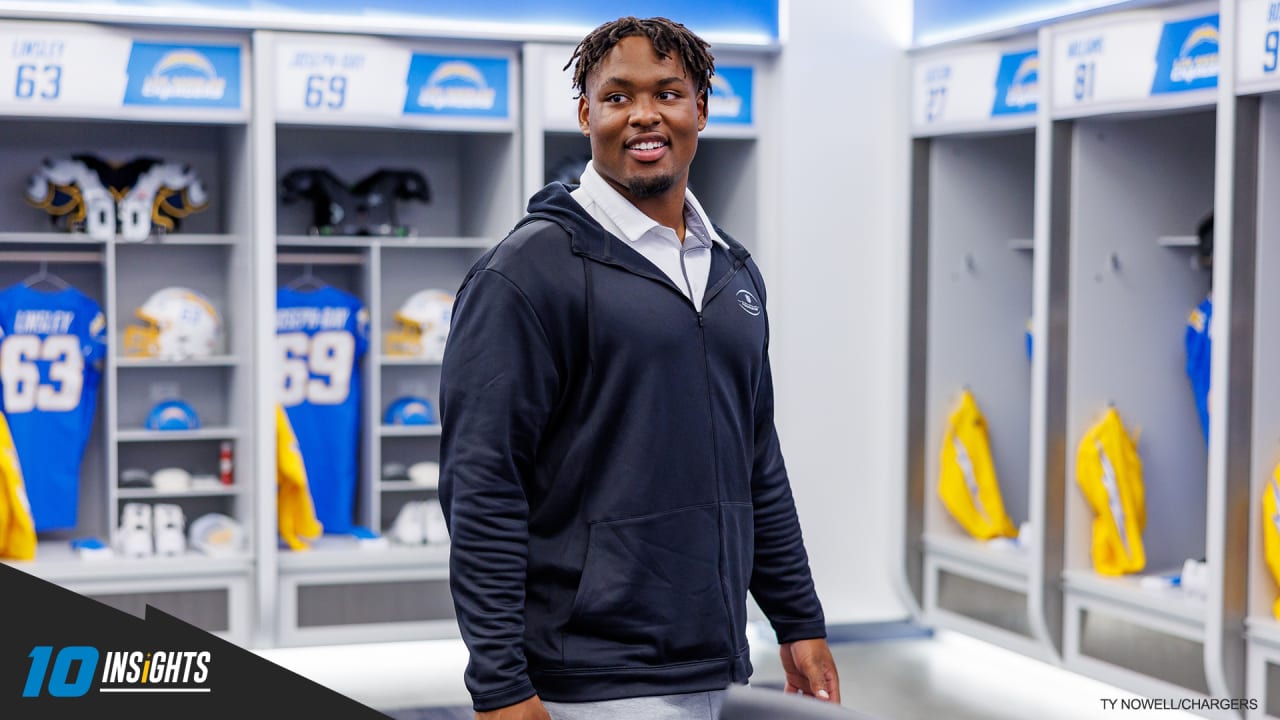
(611, 474)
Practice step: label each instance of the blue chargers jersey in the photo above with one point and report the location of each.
(321, 335)
(1199, 350)
(52, 344)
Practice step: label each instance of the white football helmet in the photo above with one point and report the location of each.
(421, 326)
(179, 322)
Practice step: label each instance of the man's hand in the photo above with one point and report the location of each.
(810, 669)
(530, 709)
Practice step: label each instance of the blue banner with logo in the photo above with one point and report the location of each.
(188, 75)
(1187, 58)
(731, 94)
(1017, 84)
(458, 86)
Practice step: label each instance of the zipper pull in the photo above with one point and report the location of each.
(699, 318)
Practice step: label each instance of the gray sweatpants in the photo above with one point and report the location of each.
(689, 706)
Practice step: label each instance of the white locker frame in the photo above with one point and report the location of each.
(122, 578)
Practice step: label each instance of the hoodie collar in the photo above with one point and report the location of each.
(588, 238)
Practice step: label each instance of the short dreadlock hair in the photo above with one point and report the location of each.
(668, 37)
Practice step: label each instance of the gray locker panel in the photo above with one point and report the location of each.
(87, 277)
(986, 603)
(405, 271)
(1155, 654)
(409, 450)
(1137, 180)
(204, 388)
(374, 602)
(198, 457)
(208, 610)
(559, 146)
(350, 277)
(1273, 690)
(417, 380)
(731, 169)
(208, 149)
(980, 199)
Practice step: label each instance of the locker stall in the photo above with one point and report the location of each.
(197, 150)
(381, 576)
(1252, 100)
(1133, 158)
(972, 250)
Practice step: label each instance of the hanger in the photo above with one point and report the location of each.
(43, 275)
(307, 280)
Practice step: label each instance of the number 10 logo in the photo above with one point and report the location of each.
(61, 684)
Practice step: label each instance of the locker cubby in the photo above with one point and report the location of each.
(143, 269)
(209, 250)
(465, 174)
(471, 166)
(974, 217)
(1257, 230)
(1139, 187)
(400, 381)
(214, 152)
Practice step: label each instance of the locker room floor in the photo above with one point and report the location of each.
(890, 671)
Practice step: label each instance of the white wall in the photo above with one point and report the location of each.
(836, 281)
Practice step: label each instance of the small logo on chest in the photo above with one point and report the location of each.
(748, 302)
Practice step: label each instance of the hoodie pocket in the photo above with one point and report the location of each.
(650, 593)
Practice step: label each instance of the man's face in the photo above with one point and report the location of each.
(643, 115)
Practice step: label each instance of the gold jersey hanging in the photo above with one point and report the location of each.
(1109, 473)
(967, 480)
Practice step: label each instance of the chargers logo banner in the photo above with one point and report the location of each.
(1187, 58)
(1017, 84)
(184, 75)
(731, 93)
(458, 86)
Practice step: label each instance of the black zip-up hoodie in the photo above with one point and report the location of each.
(610, 470)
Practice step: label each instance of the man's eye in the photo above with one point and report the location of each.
(667, 95)
(615, 98)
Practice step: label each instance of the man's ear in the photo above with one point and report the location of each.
(703, 99)
(584, 115)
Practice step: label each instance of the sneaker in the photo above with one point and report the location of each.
(134, 539)
(170, 534)
(408, 528)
